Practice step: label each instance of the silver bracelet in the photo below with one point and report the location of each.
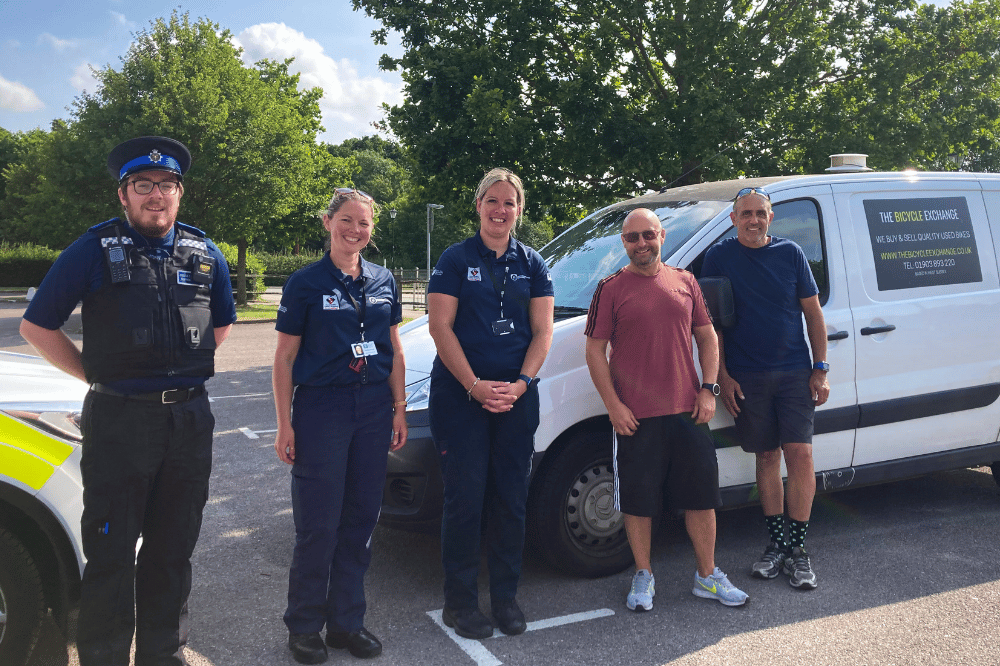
(469, 392)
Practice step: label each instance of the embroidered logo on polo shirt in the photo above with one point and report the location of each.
(515, 277)
(375, 301)
(475, 275)
(330, 302)
(437, 271)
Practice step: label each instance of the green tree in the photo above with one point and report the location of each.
(589, 102)
(383, 171)
(251, 130)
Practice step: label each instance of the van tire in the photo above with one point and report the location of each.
(579, 481)
(995, 468)
(22, 604)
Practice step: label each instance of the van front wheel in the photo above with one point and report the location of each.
(995, 468)
(572, 520)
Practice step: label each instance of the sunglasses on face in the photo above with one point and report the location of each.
(633, 236)
(751, 190)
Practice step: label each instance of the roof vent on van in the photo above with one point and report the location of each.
(848, 163)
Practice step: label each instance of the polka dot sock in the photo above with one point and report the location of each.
(776, 528)
(797, 533)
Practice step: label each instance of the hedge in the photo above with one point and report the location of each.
(277, 267)
(24, 265)
(255, 269)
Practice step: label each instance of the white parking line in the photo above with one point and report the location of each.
(213, 398)
(483, 657)
(253, 434)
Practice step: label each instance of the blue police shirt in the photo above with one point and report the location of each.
(473, 274)
(321, 304)
(768, 283)
(79, 270)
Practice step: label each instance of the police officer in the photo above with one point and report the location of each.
(341, 406)
(157, 303)
(490, 303)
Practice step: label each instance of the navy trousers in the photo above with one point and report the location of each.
(485, 463)
(342, 438)
(145, 468)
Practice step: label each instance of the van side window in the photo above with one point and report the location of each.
(798, 221)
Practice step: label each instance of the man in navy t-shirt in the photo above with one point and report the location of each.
(770, 383)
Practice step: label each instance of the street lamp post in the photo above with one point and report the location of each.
(392, 216)
(430, 225)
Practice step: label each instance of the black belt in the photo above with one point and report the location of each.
(163, 397)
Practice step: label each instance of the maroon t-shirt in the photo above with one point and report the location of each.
(649, 321)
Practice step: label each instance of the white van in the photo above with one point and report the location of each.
(906, 264)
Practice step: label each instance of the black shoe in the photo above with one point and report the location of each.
(509, 618)
(469, 623)
(361, 643)
(307, 648)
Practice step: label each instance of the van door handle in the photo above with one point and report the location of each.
(872, 330)
(839, 335)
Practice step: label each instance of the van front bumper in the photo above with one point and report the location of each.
(413, 495)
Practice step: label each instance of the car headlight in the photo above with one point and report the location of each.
(418, 394)
(57, 419)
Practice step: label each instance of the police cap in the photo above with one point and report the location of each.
(148, 153)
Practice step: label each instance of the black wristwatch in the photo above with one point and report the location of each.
(714, 388)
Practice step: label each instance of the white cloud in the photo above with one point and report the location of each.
(121, 20)
(83, 78)
(350, 101)
(16, 96)
(58, 44)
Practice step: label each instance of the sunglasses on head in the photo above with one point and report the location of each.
(633, 236)
(751, 190)
(348, 190)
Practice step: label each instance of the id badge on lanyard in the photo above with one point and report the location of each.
(502, 326)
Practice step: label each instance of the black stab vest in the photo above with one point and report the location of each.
(153, 325)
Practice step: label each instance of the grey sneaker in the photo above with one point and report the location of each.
(769, 564)
(717, 586)
(640, 597)
(799, 570)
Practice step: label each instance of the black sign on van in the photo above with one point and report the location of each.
(922, 242)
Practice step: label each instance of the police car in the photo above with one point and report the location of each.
(41, 499)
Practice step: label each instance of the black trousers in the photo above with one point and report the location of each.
(146, 468)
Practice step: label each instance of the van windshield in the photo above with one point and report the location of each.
(592, 249)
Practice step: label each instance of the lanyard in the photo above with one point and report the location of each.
(361, 307)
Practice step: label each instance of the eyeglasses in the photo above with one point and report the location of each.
(751, 190)
(633, 236)
(167, 187)
(348, 190)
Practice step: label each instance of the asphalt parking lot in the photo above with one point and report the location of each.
(909, 572)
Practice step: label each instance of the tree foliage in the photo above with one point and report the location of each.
(251, 130)
(601, 100)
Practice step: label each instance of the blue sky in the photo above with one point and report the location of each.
(47, 48)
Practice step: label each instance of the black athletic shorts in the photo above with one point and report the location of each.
(777, 409)
(669, 454)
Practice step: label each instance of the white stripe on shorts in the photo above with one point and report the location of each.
(614, 466)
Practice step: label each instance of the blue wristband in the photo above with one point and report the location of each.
(526, 378)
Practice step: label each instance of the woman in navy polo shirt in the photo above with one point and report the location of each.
(339, 347)
(490, 304)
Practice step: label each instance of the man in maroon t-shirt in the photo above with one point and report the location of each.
(648, 312)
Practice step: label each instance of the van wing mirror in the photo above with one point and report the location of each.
(718, 291)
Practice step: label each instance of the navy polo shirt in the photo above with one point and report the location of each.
(473, 274)
(768, 285)
(79, 270)
(318, 304)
